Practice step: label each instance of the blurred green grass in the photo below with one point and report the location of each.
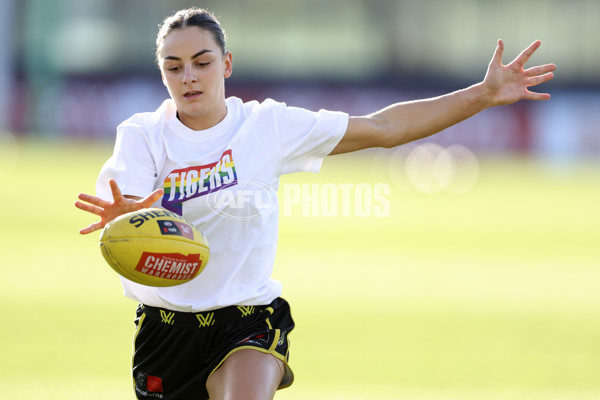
(492, 294)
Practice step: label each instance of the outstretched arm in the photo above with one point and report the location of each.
(404, 122)
(107, 211)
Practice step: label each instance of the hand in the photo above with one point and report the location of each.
(110, 210)
(507, 84)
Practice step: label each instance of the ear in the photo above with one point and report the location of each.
(228, 61)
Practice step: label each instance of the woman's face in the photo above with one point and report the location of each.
(194, 69)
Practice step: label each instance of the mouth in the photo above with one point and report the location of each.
(192, 94)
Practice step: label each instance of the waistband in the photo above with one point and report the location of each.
(203, 319)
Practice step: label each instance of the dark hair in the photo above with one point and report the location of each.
(191, 17)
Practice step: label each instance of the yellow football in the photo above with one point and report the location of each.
(154, 247)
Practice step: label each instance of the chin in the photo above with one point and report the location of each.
(192, 110)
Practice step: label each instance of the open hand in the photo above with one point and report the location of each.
(107, 211)
(507, 84)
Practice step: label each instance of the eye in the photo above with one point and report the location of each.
(203, 64)
(173, 69)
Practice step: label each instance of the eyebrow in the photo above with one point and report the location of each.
(198, 54)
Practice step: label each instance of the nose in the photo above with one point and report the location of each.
(189, 75)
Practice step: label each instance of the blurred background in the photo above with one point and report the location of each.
(77, 68)
(486, 288)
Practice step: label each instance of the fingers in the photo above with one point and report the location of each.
(110, 210)
(114, 188)
(89, 208)
(539, 70)
(91, 204)
(537, 96)
(522, 58)
(92, 228)
(97, 201)
(536, 80)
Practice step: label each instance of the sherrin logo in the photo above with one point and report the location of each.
(140, 218)
(248, 200)
(173, 266)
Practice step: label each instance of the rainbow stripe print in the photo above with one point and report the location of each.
(188, 183)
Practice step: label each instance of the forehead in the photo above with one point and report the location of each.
(187, 41)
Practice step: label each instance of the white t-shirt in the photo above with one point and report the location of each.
(224, 180)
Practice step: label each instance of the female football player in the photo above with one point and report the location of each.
(224, 334)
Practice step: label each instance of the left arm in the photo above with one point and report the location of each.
(404, 122)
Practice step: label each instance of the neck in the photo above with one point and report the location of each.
(200, 123)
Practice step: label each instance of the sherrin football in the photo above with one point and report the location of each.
(154, 247)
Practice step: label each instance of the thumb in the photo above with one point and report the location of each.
(152, 198)
(497, 58)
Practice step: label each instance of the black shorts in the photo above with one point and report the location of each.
(176, 352)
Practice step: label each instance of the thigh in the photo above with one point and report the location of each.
(257, 365)
(246, 374)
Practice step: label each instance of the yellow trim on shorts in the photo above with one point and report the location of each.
(135, 335)
(288, 373)
(271, 351)
(275, 339)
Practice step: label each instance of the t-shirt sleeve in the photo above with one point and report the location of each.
(131, 165)
(306, 137)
